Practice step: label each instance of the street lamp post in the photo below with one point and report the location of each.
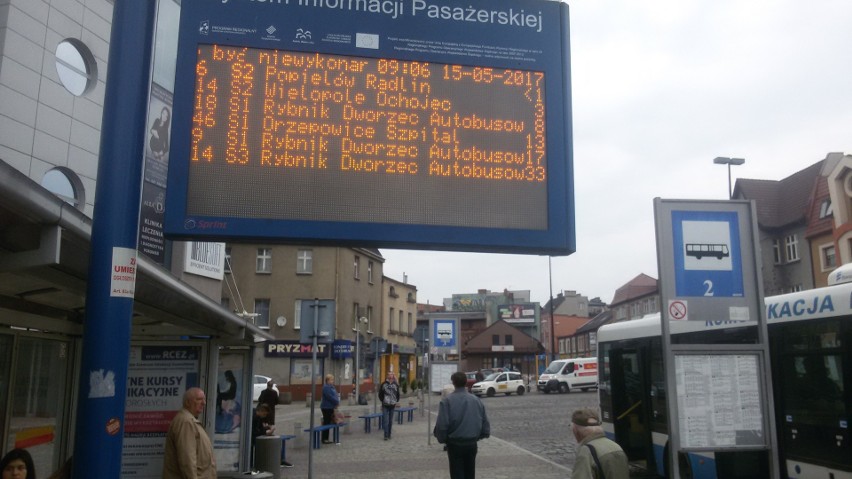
(723, 160)
(358, 357)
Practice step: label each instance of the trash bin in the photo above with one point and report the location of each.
(362, 399)
(267, 455)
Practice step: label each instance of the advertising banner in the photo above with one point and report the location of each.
(157, 378)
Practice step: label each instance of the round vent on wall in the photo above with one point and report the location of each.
(847, 184)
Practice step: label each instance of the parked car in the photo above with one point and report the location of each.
(506, 382)
(259, 386)
(471, 379)
(485, 372)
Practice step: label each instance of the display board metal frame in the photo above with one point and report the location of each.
(463, 175)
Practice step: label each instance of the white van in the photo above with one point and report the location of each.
(565, 375)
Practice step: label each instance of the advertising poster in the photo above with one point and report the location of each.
(229, 412)
(517, 313)
(151, 240)
(157, 378)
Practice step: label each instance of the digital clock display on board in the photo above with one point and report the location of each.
(391, 141)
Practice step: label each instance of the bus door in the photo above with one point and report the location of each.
(814, 404)
(631, 404)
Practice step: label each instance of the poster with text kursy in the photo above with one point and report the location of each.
(157, 378)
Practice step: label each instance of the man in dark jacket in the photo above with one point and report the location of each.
(269, 396)
(461, 423)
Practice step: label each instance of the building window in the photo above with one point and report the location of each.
(76, 66)
(357, 266)
(796, 288)
(829, 257)
(261, 309)
(227, 259)
(776, 251)
(355, 317)
(411, 325)
(65, 184)
(370, 271)
(370, 319)
(304, 261)
(401, 323)
(791, 245)
(825, 209)
(495, 339)
(508, 340)
(264, 260)
(297, 315)
(390, 318)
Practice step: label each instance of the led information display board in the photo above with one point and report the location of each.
(392, 123)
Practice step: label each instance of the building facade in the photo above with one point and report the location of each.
(636, 298)
(274, 286)
(782, 220)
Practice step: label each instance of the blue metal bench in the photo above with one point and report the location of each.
(401, 410)
(367, 421)
(316, 437)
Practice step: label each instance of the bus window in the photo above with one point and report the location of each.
(815, 394)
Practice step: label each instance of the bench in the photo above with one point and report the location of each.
(401, 410)
(367, 421)
(316, 438)
(284, 439)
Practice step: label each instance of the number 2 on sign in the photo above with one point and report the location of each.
(709, 285)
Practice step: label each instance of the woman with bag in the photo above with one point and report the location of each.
(330, 400)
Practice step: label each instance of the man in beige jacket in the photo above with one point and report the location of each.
(189, 453)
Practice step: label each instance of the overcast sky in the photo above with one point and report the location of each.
(660, 88)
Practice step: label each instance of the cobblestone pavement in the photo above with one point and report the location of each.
(412, 453)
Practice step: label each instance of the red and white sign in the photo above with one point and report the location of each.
(678, 310)
(123, 273)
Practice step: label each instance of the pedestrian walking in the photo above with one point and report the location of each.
(189, 453)
(330, 400)
(461, 423)
(389, 396)
(269, 396)
(597, 456)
